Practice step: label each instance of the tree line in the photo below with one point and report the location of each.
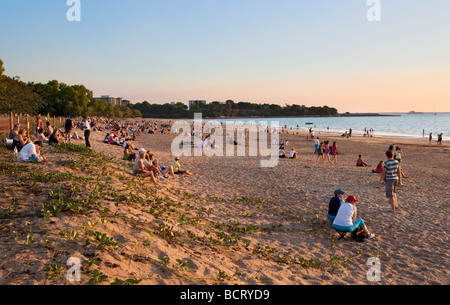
(228, 109)
(55, 98)
(60, 99)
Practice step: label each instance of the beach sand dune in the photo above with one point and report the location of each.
(234, 222)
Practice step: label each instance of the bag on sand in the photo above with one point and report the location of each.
(359, 235)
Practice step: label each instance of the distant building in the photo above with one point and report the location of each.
(115, 101)
(196, 103)
(126, 103)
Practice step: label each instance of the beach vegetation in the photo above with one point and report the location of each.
(81, 210)
(53, 271)
(126, 282)
(7, 213)
(97, 277)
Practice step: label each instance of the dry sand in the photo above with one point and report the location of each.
(242, 224)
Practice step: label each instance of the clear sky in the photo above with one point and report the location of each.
(310, 52)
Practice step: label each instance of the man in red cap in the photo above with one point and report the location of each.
(346, 218)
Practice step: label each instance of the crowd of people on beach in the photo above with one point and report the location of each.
(119, 133)
(124, 133)
(341, 212)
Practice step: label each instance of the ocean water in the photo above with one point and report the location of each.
(396, 126)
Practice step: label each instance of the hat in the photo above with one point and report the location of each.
(177, 158)
(142, 150)
(339, 191)
(351, 198)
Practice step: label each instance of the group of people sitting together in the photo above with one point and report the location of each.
(343, 214)
(292, 154)
(27, 149)
(147, 166)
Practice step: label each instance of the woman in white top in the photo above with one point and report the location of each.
(31, 153)
(346, 218)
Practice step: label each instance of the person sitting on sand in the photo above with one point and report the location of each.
(55, 137)
(281, 152)
(20, 140)
(14, 132)
(113, 140)
(177, 168)
(156, 171)
(141, 167)
(293, 154)
(128, 153)
(40, 136)
(346, 218)
(379, 168)
(361, 162)
(164, 170)
(31, 153)
(49, 130)
(335, 204)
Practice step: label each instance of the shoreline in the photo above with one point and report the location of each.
(404, 140)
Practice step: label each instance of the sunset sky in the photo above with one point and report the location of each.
(314, 53)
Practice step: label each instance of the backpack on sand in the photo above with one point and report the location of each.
(359, 235)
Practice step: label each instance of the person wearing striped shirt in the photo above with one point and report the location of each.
(390, 175)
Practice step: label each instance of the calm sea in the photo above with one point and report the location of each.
(398, 126)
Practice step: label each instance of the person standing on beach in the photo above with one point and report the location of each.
(431, 137)
(390, 176)
(334, 152)
(68, 126)
(316, 145)
(86, 126)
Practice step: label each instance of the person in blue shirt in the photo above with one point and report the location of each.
(335, 204)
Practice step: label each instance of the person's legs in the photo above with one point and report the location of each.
(151, 175)
(171, 171)
(391, 194)
(359, 223)
(87, 134)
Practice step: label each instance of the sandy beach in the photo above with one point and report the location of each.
(232, 222)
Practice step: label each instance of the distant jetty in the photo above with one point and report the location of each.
(413, 112)
(364, 114)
